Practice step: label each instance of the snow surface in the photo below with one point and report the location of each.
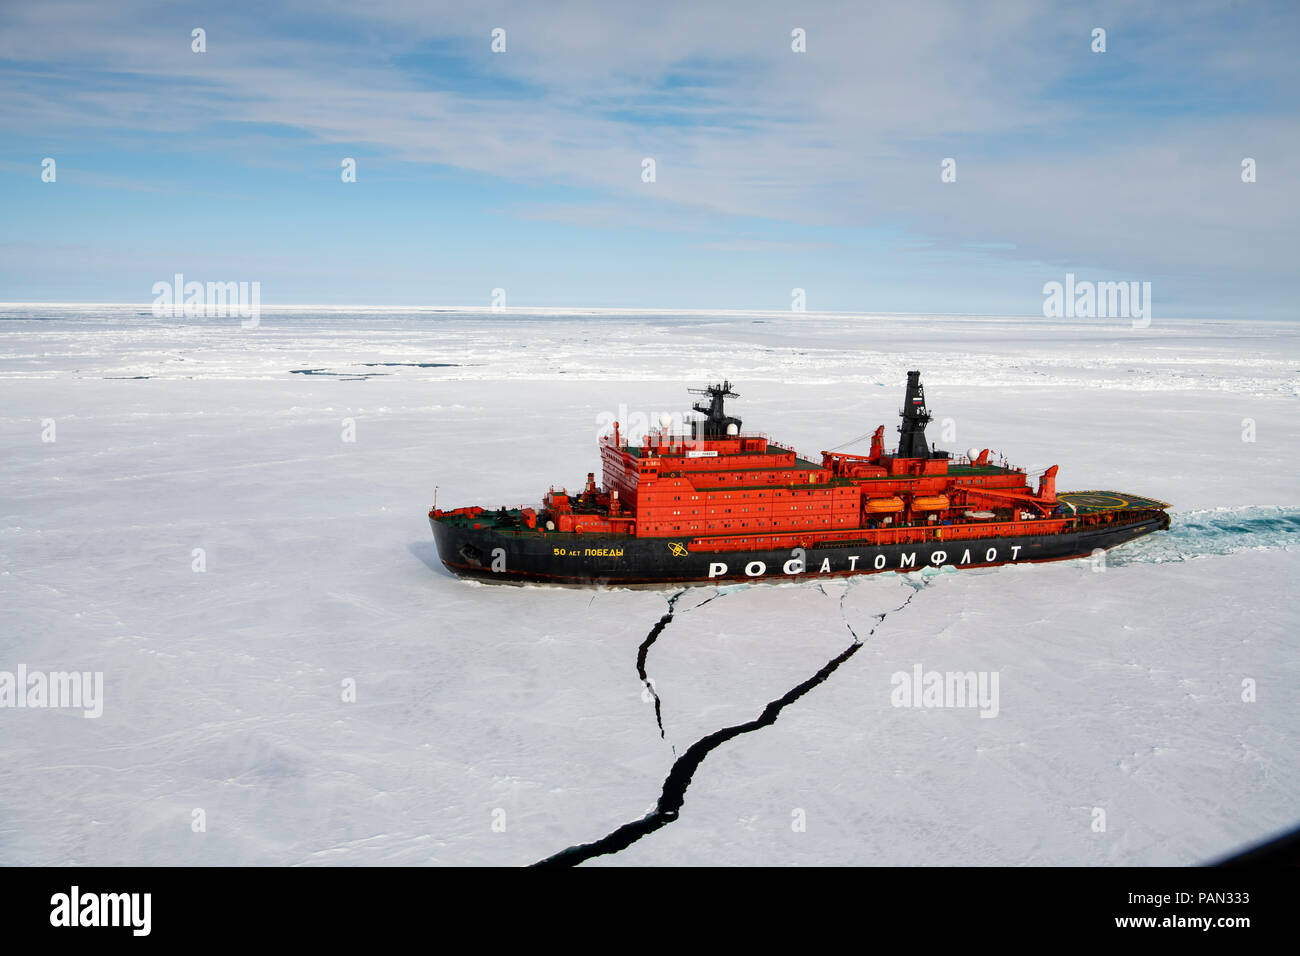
(1120, 688)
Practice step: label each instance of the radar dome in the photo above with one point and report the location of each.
(665, 420)
(972, 453)
(732, 429)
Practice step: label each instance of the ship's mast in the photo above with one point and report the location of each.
(716, 422)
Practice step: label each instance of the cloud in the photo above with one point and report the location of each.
(1126, 161)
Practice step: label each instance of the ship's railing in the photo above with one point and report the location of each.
(965, 461)
(775, 444)
(686, 440)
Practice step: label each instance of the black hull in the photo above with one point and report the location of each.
(618, 560)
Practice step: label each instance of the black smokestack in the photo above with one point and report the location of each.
(911, 440)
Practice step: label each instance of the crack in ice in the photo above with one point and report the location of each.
(644, 650)
(673, 795)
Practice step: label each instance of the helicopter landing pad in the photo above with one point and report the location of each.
(1093, 502)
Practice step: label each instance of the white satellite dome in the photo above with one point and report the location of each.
(972, 453)
(665, 420)
(732, 429)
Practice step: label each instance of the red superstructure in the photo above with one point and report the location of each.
(747, 492)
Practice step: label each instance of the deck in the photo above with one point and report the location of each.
(1096, 502)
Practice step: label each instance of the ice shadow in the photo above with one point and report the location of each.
(427, 552)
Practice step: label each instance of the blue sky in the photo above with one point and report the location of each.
(775, 170)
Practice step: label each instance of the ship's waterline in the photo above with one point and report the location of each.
(647, 562)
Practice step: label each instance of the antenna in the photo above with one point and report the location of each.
(717, 422)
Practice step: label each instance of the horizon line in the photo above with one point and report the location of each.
(637, 310)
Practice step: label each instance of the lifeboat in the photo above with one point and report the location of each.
(929, 502)
(883, 505)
